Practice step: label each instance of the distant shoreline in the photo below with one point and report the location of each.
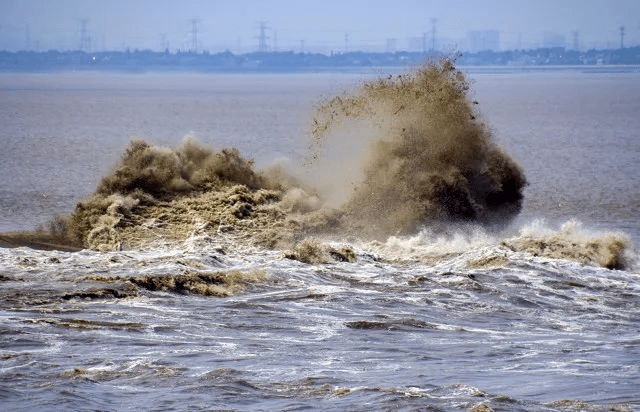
(355, 71)
(143, 61)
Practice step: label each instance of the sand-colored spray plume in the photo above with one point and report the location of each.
(429, 157)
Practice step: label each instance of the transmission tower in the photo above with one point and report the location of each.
(85, 40)
(262, 39)
(194, 35)
(433, 34)
(27, 38)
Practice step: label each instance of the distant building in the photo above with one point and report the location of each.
(417, 44)
(479, 40)
(392, 45)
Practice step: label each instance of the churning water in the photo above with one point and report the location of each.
(431, 240)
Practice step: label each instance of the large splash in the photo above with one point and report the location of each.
(429, 158)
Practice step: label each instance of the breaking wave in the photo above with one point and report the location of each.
(573, 242)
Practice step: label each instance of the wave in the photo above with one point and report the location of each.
(222, 283)
(573, 242)
(394, 157)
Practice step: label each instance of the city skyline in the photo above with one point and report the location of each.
(310, 26)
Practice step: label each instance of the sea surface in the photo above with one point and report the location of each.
(459, 319)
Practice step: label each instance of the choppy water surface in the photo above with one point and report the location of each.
(521, 318)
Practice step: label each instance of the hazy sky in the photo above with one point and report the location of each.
(315, 25)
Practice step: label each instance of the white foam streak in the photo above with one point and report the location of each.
(428, 242)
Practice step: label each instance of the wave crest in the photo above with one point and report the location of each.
(573, 242)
